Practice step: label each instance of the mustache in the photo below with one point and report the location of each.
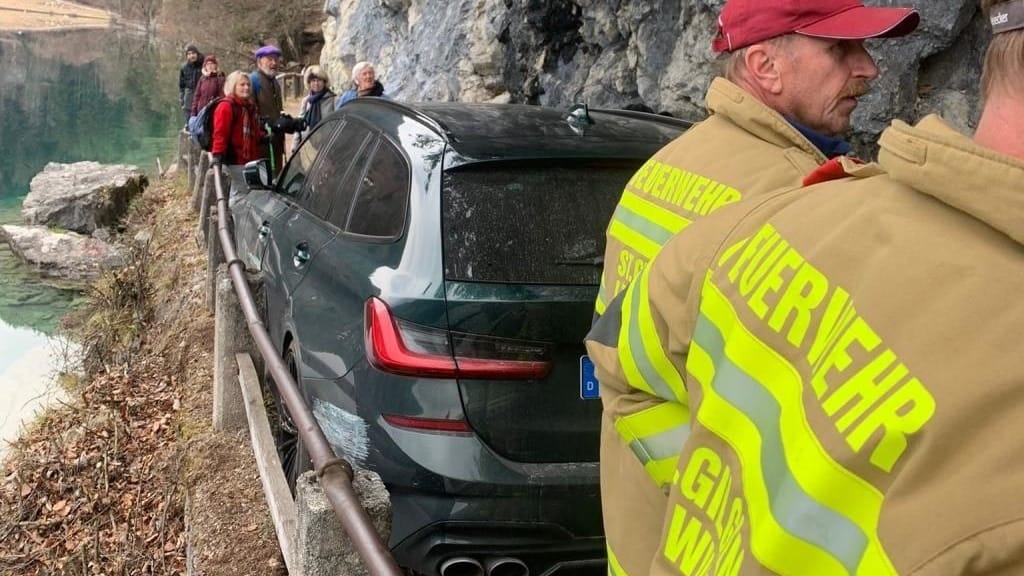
(857, 89)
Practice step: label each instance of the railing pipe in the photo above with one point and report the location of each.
(335, 474)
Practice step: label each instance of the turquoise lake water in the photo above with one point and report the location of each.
(65, 97)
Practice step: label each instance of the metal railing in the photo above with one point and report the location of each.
(335, 474)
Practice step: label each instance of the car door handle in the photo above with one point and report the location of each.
(263, 232)
(300, 255)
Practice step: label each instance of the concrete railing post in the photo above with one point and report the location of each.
(230, 337)
(214, 261)
(207, 204)
(202, 176)
(184, 144)
(191, 170)
(322, 546)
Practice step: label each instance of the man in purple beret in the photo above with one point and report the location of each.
(268, 96)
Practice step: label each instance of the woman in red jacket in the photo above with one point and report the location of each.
(237, 134)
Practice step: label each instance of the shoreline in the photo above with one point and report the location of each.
(47, 15)
(30, 386)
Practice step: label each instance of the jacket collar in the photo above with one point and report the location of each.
(936, 160)
(828, 145)
(741, 108)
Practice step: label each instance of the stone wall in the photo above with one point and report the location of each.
(611, 53)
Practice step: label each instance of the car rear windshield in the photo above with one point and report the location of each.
(530, 222)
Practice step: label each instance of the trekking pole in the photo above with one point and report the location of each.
(270, 144)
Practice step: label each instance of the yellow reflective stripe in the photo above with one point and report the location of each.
(651, 421)
(662, 471)
(641, 244)
(652, 344)
(644, 226)
(809, 515)
(655, 435)
(614, 568)
(663, 217)
(625, 349)
(644, 362)
(600, 305)
(774, 548)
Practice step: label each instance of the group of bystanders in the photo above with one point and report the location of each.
(249, 121)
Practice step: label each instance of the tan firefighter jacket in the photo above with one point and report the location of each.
(744, 149)
(854, 363)
(741, 150)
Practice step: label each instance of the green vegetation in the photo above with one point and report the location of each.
(109, 325)
(117, 106)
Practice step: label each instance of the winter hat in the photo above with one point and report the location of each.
(191, 48)
(209, 58)
(315, 72)
(268, 50)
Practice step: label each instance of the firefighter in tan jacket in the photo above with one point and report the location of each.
(853, 360)
(790, 87)
(793, 71)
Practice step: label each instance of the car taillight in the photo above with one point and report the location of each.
(409, 349)
(428, 424)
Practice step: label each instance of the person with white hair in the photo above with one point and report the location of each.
(365, 83)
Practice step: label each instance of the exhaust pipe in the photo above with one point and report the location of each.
(506, 567)
(461, 566)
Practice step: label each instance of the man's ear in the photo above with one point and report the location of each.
(762, 69)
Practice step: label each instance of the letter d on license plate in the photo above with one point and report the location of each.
(589, 389)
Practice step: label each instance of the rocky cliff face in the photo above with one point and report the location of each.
(612, 53)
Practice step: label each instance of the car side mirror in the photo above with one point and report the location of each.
(257, 174)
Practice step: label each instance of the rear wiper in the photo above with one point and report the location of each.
(596, 261)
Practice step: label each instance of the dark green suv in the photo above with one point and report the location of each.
(430, 274)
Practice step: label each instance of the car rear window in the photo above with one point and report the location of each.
(530, 223)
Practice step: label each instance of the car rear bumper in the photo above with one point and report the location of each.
(465, 457)
(546, 549)
(546, 515)
(452, 495)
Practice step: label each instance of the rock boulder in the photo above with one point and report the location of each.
(83, 196)
(64, 255)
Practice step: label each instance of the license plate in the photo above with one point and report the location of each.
(589, 388)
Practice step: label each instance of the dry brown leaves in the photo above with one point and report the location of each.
(95, 487)
(99, 485)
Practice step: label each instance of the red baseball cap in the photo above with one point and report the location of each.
(746, 22)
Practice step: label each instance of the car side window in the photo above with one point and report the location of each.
(324, 190)
(294, 177)
(347, 186)
(382, 200)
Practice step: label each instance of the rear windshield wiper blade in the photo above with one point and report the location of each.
(596, 261)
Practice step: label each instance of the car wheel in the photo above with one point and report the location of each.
(290, 448)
